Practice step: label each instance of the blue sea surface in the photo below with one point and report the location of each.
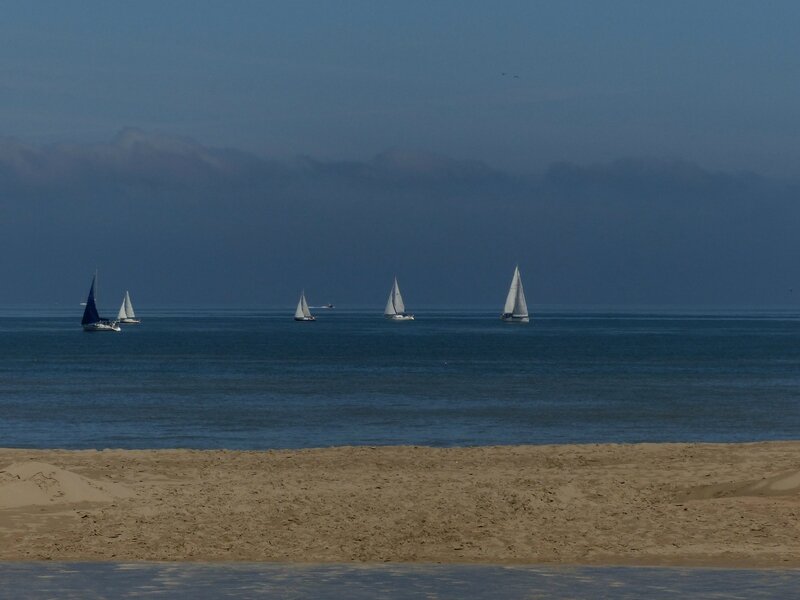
(250, 379)
(79, 581)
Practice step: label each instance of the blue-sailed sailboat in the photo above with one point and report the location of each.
(91, 318)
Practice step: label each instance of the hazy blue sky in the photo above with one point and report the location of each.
(716, 82)
(634, 152)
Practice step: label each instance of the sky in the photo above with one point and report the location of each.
(623, 153)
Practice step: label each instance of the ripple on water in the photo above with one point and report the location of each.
(394, 581)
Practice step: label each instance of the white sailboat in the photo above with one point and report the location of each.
(126, 315)
(91, 320)
(395, 307)
(302, 313)
(516, 309)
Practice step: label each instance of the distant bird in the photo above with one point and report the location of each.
(503, 74)
(516, 76)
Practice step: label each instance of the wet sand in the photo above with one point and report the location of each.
(651, 504)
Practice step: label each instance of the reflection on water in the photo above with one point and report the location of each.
(250, 580)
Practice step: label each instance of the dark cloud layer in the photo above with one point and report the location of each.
(179, 222)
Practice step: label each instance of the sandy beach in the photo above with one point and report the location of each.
(657, 504)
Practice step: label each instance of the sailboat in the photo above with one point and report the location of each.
(302, 313)
(91, 319)
(516, 309)
(126, 315)
(395, 307)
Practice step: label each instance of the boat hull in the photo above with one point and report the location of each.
(515, 318)
(400, 317)
(128, 321)
(100, 327)
(305, 318)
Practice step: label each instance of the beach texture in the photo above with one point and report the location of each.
(659, 504)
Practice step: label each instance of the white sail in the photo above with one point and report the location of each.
(390, 310)
(515, 301)
(395, 304)
(512, 293)
(302, 313)
(128, 306)
(520, 306)
(121, 314)
(399, 305)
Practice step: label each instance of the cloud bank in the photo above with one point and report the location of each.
(180, 222)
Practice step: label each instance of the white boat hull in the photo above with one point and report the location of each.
(515, 318)
(96, 327)
(400, 317)
(128, 321)
(305, 318)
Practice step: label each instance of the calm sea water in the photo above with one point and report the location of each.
(33, 581)
(257, 379)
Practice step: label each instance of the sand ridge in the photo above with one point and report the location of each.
(34, 483)
(683, 504)
(782, 484)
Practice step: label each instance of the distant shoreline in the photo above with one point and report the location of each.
(673, 504)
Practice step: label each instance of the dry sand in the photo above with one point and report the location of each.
(676, 504)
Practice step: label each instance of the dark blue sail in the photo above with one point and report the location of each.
(90, 315)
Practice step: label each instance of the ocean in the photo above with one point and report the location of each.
(47, 580)
(255, 379)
